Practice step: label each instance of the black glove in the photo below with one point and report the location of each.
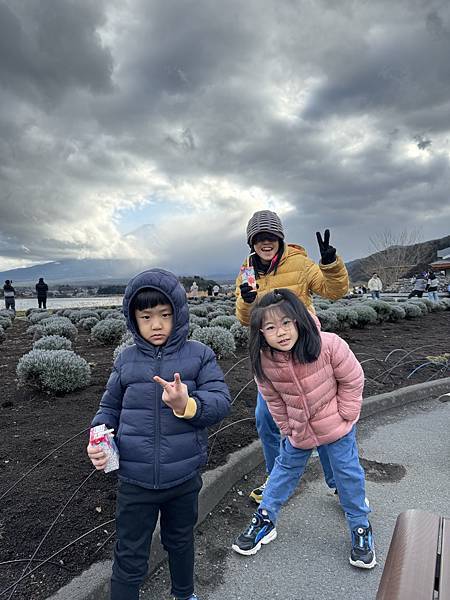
(327, 252)
(248, 294)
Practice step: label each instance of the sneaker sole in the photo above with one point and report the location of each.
(266, 540)
(362, 565)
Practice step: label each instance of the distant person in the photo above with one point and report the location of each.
(375, 286)
(278, 264)
(313, 386)
(194, 289)
(432, 287)
(160, 422)
(9, 293)
(216, 290)
(420, 285)
(209, 290)
(41, 291)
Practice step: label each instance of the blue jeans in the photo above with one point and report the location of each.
(375, 294)
(290, 465)
(270, 438)
(433, 296)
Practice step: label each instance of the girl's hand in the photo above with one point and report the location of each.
(97, 456)
(175, 393)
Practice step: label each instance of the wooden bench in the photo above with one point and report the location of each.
(418, 562)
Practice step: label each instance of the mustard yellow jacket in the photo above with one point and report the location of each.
(302, 276)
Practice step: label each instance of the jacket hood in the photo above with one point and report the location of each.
(292, 249)
(168, 284)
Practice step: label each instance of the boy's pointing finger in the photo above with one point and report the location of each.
(162, 382)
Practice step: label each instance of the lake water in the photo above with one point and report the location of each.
(54, 303)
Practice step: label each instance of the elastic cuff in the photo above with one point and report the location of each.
(189, 411)
(331, 264)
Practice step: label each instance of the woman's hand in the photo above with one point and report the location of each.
(248, 294)
(327, 252)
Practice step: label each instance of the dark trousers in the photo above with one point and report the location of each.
(418, 293)
(137, 513)
(42, 302)
(10, 303)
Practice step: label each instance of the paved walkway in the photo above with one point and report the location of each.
(408, 466)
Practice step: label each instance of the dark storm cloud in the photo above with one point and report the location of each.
(336, 115)
(48, 47)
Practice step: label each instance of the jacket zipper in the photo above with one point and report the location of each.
(305, 405)
(157, 432)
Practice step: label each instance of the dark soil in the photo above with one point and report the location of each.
(32, 424)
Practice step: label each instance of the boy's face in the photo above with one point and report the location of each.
(155, 324)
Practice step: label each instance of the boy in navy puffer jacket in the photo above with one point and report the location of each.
(163, 392)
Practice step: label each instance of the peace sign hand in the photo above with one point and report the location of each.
(327, 252)
(175, 393)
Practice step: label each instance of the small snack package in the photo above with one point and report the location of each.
(100, 436)
(248, 276)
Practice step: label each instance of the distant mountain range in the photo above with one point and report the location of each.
(416, 258)
(88, 271)
(101, 271)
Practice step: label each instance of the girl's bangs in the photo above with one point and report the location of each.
(278, 311)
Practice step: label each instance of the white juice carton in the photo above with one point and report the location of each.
(248, 276)
(101, 436)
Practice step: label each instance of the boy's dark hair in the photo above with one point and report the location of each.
(309, 344)
(147, 298)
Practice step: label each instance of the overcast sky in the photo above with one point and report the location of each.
(189, 115)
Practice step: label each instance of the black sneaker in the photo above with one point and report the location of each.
(260, 531)
(363, 553)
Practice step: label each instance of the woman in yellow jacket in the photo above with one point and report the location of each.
(280, 265)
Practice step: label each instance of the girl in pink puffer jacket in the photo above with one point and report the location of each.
(313, 384)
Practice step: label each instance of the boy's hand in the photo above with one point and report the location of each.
(175, 393)
(97, 456)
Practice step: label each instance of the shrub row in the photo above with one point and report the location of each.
(339, 315)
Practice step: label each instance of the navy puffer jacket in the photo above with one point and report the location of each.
(157, 449)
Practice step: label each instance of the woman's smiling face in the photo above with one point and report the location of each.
(266, 246)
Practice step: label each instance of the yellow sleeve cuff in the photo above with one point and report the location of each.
(189, 411)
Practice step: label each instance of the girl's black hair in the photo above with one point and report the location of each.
(308, 346)
(147, 298)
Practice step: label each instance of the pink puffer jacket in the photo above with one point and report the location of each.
(315, 403)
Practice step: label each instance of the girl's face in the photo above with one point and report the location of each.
(266, 246)
(279, 330)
